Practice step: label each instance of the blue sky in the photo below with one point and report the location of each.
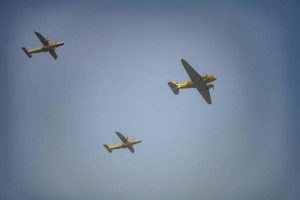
(112, 74)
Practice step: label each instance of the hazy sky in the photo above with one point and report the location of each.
(111, 75)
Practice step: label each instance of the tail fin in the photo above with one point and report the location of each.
(107, 148)
(27, 52)
(174, 87)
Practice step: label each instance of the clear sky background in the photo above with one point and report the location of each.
(111, 75)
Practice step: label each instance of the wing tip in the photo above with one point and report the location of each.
(208, 101)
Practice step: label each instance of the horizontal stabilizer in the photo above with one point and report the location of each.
(107, 148)
(174, 87)
(26, 51)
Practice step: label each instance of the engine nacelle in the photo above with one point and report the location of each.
(210, 86)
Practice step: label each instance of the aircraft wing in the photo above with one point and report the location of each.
(43, 40)
(197, 81)
(191, 72)
(53, 54)
(131, 149)
(205, 94)
(122, 137)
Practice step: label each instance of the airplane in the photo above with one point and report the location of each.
(126, 143)
(197, 81)
(47, 46)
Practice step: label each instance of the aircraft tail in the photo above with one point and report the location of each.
(26, 51)
(107, 148)
(174, 87)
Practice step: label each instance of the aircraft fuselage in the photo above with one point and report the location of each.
(189, 84)
(129, 142)
(45, 48)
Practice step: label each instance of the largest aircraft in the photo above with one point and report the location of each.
(197, 81)
(47, 46)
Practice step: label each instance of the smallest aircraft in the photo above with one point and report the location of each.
(47, 46)
(126, 143)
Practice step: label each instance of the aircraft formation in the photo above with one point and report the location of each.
(201, 83)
